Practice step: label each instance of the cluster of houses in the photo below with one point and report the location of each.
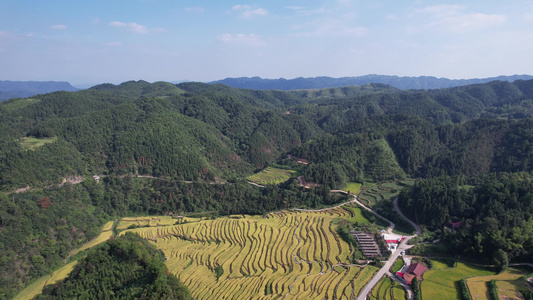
(370, 248)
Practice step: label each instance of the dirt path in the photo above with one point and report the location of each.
(256, 184)
(79, 179)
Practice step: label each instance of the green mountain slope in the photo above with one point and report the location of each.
(214, 133)
(128, 267)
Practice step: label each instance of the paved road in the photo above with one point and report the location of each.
(391, 224)
(416, 227)
(404, 284)
(385, 269)
(388, 264)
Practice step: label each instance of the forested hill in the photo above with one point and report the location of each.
(22, 89)
(187, 138)
(195, 131)
(128, 267)
(403, 83)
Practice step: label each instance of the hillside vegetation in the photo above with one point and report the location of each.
(125, 268)
(187, 149)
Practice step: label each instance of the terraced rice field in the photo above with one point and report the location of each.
(509, 283)
(387, 289)
(272, 176)
(441, 284)
(353, 187)
(372, 193)
(283, 255)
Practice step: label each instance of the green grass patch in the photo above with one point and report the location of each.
(444, 284)
(353, 187)
(272, 176)
(31, 143)
(403, 230)
(442, 264)
(358, 215)
(397, 266)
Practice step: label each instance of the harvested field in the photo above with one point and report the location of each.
(509, 283)
(36, 288)
(290, 255)
(105, 235)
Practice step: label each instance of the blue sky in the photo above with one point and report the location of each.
(96, 41)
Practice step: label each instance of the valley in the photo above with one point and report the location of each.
(246, 200)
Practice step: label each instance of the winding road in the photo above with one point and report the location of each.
(388, 264)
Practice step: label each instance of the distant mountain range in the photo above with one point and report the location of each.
(403, 83)
(23, 89)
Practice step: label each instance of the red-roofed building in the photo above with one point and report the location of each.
(457, 225)
(414, 270)
(392, 238)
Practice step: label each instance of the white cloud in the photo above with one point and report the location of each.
(133, 27)
(442, 9)
(453, 18)
(330, 27)
(95, 21)
(468, 22)
(59, 27)
(241, 38)
(194, 9)
(248, 12)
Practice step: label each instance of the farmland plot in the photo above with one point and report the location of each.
(441, 284)
(284, 255)
(509, 283)
(272, 176)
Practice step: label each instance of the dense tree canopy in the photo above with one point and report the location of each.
(125, 268)
(470, 146)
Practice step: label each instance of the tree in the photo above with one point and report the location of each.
(501, 260)
(416, 289)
